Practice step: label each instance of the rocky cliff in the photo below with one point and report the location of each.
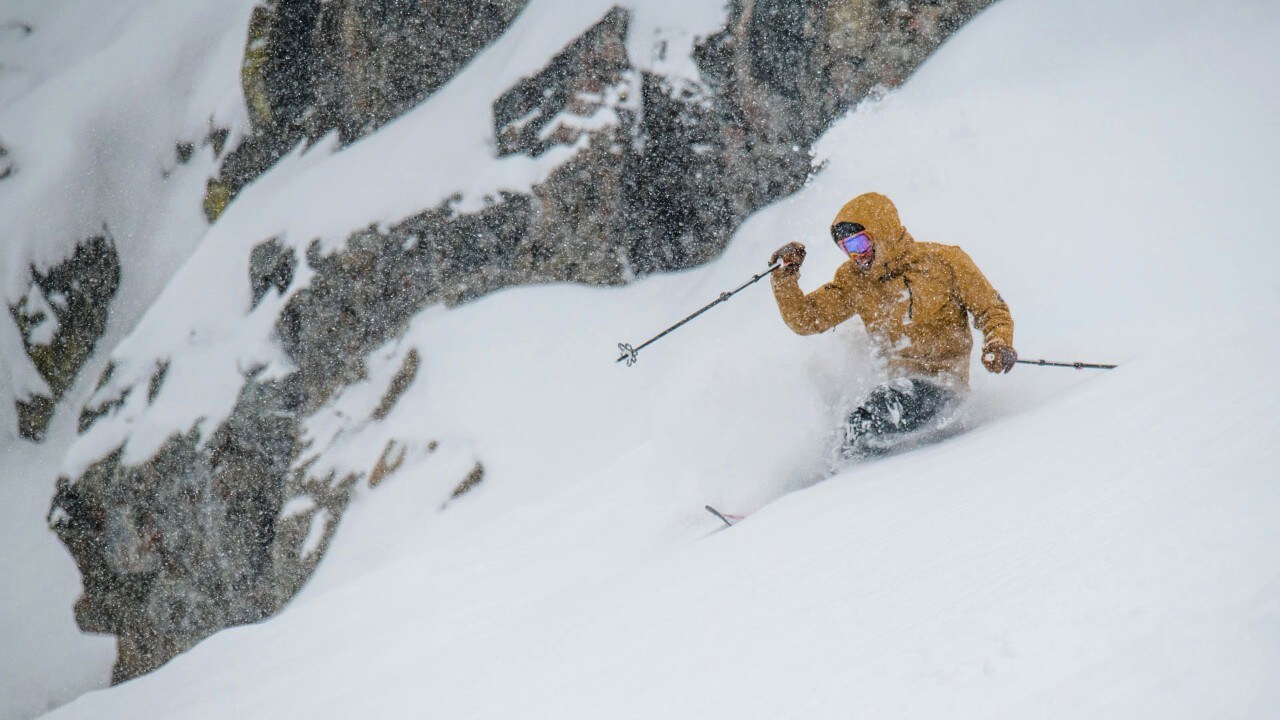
(224, 521)
(61, 319)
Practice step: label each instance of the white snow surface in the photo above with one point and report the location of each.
(93, 102)
(94, 98)
(1098, 544)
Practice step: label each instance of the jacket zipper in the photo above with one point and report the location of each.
(911, 300)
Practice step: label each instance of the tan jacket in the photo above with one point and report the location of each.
(915, 300)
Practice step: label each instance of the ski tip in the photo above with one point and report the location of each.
(726, 518)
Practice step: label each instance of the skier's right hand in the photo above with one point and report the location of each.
(792, 257)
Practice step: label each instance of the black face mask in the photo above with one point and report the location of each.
(842, 230)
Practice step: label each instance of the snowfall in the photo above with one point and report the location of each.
(1094, 543)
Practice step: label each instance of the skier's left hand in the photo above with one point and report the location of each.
(999, 358)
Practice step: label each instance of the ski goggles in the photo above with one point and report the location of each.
(858, 243)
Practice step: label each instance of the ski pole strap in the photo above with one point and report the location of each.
(629, 354)
(1076, 365)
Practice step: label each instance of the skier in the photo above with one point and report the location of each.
(915, 299)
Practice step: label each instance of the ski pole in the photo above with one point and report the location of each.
(1076, 365)
(629, 353)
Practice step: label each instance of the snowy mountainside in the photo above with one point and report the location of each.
(594, 147)
(388, 157)
(1097, 544)
(100, 148)
(93, 99)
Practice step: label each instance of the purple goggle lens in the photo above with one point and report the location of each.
(856, 244)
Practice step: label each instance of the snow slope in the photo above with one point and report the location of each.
(93, 103)
(202, 328)
(1098, 544)
(94, 97)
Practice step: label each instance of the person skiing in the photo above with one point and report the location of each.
(915, 299)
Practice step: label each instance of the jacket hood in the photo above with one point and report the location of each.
(877, 214)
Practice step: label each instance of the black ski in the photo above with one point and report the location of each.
(727, 518)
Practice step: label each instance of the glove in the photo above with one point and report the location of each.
(792, 257)
(999, 358)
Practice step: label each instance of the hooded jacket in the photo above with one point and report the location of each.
(916, 299)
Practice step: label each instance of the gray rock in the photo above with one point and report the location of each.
(73, 298)
(270, 266)
(346, 66)
(185, 544)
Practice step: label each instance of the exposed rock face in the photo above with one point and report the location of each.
(61, 319)
(211, 531)
(666, 183)
(186, 544)
(313, 67)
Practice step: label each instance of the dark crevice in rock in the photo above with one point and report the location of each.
(61, 319)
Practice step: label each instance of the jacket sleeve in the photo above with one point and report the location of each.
(810, 314)
(990, 312)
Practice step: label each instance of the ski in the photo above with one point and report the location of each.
(727, 518)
